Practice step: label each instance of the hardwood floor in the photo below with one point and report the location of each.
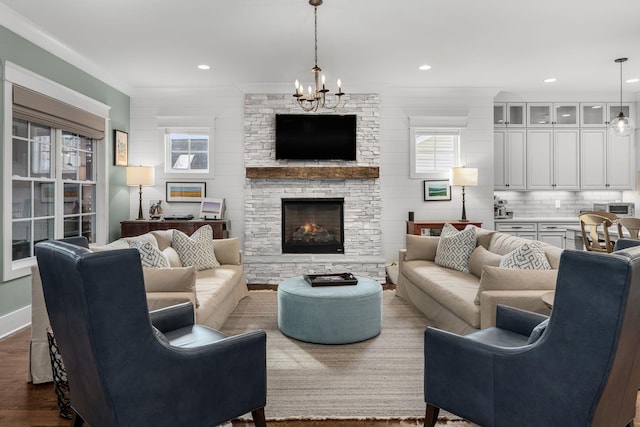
(26, 404)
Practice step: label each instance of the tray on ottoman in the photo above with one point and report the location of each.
(331, 279)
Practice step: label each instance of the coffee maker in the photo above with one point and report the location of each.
(499, 208)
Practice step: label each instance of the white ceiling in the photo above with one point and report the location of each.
(511, 45)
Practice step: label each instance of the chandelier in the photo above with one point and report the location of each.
(316, 98)
(621, 125)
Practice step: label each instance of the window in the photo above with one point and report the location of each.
(187, 150)
(434, 152)
(55, 172)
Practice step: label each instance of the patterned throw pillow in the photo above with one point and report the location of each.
(529, 256)
(455, 248)
(196, 250)
(150, 256)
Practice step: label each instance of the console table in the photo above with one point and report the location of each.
(433, 228)
(138, 227)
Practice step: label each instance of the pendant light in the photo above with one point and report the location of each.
(621, 125)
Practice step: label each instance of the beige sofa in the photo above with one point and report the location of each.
(465, 302)
(215, 291)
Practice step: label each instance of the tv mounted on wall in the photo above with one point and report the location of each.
(315, 137)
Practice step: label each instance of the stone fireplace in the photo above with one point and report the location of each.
(266, 260)
(312, 226)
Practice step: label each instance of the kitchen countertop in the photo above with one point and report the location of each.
(563, 219)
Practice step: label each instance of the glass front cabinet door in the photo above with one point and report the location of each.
(593, 114)
(509, 114)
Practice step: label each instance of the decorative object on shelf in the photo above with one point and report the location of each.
(139, 176)
(464, 177)
(436, 189)
(155, 210)
(315, 99)
(190, 192)
(212, 208)
(621, 125)
(120, 148)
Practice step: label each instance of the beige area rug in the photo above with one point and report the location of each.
(381, 378)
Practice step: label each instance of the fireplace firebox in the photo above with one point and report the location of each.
(313, 225)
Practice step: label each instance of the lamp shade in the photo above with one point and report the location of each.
(464, 177)
(141, 175)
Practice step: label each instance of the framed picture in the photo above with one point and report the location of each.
(436, 189)
(120, 148)
(186, 191)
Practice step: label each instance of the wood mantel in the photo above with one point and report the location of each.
(313, 172)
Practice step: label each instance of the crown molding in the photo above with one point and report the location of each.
(26, 29)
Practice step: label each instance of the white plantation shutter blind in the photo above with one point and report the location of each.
(435, 151)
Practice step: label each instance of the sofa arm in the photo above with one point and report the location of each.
(529, 300)
(516, 320)
(157, 300)
(172, 318)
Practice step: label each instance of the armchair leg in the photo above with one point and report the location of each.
(258, 418)
(431, 416)
(76, 420)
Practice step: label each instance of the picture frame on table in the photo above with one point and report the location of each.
(435, 190)
(186, 192)
(120, 148)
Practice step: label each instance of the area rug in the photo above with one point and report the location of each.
(381, 378)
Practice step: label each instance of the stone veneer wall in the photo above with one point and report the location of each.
(264, 262)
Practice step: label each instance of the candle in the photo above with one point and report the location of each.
(339, 85)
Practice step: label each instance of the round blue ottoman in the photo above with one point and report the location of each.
(330, 314)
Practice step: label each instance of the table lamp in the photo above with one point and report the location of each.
(140, 175)
(464, 177)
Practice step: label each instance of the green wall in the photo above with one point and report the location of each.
(16, 294)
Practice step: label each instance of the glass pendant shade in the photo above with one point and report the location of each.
(621, 126)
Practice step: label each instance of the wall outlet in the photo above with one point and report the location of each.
(557, 204)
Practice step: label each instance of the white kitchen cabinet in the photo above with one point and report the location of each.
(528, 230)
(559, 114)
(599, 114)
(606, 161)
(509, 159)
(554, 234)
(509, 114)
(553, 159)
(614, 109)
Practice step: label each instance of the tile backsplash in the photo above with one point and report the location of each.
(529, 204)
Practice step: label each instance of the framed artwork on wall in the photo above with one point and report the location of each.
(190, 192)
(436, 190)
(120, 148)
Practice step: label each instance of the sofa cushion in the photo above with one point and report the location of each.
(483, 236)
(504, 279)
(214, 286)
(179, 279)
(421, 247)
(481, 257)
(117, 244)
(529, 256)
(453, 289)
(196, 250)
(172, 256)
(455, 248)
(227, 250)
(150, 255)
(163, 237)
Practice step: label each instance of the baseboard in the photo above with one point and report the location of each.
(14, 321)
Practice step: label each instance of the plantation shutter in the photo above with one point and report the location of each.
(38, 108)
(435, 151)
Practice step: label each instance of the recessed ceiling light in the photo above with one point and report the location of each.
(424, 67)
(550, 80)
(566, 115)
(636, 80)
(597, 106)
(204, 67)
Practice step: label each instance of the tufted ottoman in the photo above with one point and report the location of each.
(330, 314)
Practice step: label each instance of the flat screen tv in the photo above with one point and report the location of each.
(315, 137)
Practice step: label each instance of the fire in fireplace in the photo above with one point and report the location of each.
(313, 226)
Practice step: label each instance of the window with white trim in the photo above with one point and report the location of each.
(434, 152)
(187, 150)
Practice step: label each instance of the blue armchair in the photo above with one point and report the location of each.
(124, 371)
(583, 371)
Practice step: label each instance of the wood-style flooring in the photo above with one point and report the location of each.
(26, 404)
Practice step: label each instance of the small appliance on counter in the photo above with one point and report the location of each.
(500, 209)
(618, 208)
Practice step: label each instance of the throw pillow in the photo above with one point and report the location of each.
(150, 256)
(529, 256)
(196, 250)
(178, 279)
(538, 331)
(481, 257)
(421, 247)
(455, 248)
(510, 279)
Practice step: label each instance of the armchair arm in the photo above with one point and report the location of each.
(625, 243)
(516, 320)
(172, 318)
